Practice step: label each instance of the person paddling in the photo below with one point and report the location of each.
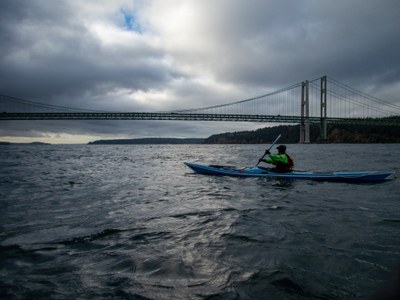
(282, 161)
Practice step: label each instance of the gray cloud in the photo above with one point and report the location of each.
(52, 53)
(287, 42)
(164, 55)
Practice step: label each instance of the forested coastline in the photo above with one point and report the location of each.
(291, 134)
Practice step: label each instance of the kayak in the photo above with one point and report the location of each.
(354, 177)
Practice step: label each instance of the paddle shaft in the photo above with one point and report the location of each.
(274, 142)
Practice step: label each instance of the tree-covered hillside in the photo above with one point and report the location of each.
(291, 134)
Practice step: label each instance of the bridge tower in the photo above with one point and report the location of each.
(305, 114)
(323, 125)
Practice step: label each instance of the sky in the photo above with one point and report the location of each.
(160, 55)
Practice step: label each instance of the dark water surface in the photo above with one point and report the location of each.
(132, 222)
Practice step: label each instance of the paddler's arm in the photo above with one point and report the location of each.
(274, 158)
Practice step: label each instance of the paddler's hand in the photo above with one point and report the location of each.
(267, 152)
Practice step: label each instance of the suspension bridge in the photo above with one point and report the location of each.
(320, 101)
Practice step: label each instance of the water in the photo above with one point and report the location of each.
(132, 222)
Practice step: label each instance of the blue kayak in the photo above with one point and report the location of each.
(355, 177)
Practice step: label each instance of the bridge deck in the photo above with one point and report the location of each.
(192, 117)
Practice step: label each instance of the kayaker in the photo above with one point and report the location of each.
(282, 161)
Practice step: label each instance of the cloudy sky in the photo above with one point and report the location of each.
(155, 55)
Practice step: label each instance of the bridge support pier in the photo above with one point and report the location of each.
(305, 114)
(323, 125)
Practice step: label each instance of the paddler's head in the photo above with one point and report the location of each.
(281, 149)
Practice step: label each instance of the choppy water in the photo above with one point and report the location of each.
(132, 222)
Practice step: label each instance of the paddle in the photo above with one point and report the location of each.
(266, 151)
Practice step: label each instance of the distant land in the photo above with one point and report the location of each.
(148, 141)
(291, 134)
(33, 143)
(367, 134)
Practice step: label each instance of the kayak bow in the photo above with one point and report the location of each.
(355, 177)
